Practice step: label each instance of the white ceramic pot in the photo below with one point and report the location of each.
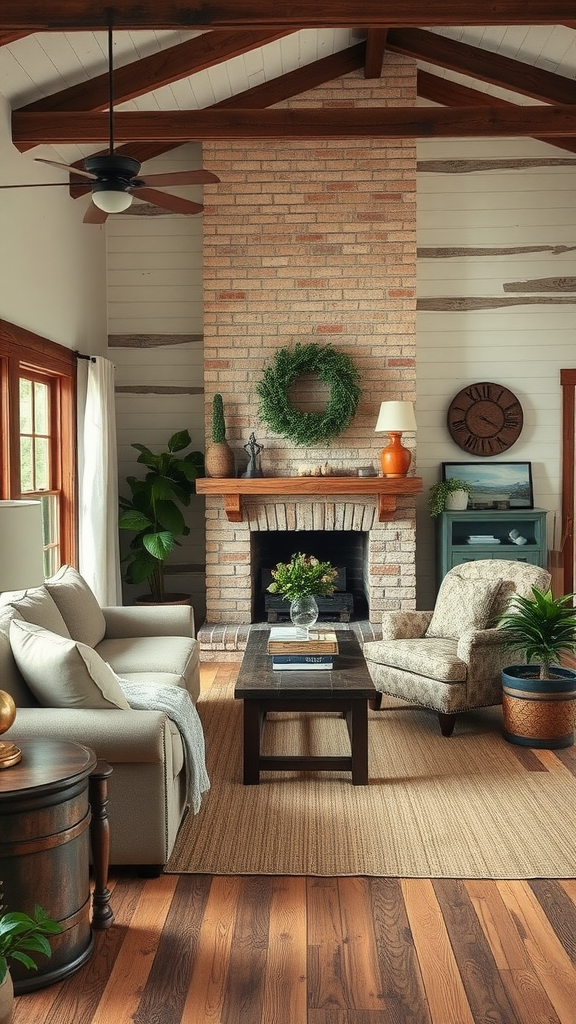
(6, 1000)
(456, 501)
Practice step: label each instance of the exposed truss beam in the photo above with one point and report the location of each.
(483, 64)
(450, 94)
(375, 52)
(391, 122)
(44, 15)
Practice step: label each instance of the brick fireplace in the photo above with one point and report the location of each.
(311, 241)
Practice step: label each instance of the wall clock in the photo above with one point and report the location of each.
(485, 419)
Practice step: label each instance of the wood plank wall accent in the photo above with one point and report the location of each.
(554, 286)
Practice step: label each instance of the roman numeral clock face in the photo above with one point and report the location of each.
(485, 419)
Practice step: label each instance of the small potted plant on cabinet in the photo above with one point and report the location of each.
(21, 935)
(538, 698)
(219, 455)
(448, 495)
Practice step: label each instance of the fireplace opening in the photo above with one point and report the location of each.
(345, 549)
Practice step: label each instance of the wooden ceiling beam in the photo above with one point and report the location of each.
(483, 64)
(41, 15)
(375, 52)
(179, 126)
(450, 94)
(157, 70)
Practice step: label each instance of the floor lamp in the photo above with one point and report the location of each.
(21, 568)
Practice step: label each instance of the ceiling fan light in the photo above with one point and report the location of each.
(112, 200)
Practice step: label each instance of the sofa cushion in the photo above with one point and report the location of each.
(78, 605)
(37, 606)
(462, 605)
(154, 659)
(61, 672)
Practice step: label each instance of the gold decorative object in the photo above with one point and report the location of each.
(9, 753)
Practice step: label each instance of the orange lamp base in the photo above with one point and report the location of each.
(395, 458)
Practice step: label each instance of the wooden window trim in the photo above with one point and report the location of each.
(22, 350)
(568, 382)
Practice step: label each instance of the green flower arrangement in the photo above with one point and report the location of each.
(303, 576)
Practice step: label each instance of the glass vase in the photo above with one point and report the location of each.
(304, 612)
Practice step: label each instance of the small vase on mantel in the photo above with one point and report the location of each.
(304, 612)
(219, 457)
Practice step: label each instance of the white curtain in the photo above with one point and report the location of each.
(99, 549)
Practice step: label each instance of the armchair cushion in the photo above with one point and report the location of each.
(432, 657)
(61, 672)
(78, 605)
(461, 605)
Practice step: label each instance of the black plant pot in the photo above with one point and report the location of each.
(537, 713)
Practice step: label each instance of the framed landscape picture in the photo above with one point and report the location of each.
(495, 485)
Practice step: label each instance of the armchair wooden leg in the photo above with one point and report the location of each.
(375, 703)
(447, 723)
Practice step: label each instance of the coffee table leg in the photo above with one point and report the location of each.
(252, 730)
(358, 729)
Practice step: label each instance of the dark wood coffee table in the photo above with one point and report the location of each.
(347, 688)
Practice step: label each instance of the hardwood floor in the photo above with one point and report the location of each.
(201, 949)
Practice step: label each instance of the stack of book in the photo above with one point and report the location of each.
(291, 651)
(482, 538)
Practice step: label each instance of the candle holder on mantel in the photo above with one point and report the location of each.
(395, 418)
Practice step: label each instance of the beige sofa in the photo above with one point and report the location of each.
(59, 635)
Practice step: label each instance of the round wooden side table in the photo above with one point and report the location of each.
(45, 818)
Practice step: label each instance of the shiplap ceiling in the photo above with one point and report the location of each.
(255, 63)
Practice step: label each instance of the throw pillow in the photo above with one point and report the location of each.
(462, 605)
(78, 605)
(61, 672)
(37, 606)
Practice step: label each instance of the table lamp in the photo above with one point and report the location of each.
(394, 418)
(21, 567)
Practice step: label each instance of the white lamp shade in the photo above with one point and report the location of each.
(21, 545)
(112, 200)
(395, 416)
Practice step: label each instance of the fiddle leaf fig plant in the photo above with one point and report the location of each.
(154, 510)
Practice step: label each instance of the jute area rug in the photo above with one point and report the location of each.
(472, 806)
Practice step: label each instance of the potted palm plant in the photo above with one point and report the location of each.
(21, 935)
(448, 494)
(538, 697)
(154, 512)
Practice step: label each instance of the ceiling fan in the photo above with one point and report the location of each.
(114, 179)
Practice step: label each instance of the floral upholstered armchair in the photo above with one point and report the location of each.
(449, 659)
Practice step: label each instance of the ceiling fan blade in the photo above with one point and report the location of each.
(44, 184)
(181, 178)
(167, 201)
(67, 167)
(94, 215)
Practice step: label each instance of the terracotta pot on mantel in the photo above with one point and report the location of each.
(219, 460)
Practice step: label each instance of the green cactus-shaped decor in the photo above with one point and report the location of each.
(218, 424)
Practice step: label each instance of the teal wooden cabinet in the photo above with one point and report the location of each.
(457, 536)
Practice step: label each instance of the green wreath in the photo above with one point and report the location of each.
(331, 367)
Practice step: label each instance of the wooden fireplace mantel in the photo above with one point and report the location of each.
(387, 489)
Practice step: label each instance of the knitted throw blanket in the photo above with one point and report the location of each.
(177, 704)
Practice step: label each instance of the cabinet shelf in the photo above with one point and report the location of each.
(453, 529)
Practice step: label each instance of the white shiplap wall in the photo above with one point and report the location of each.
(522, 346)
(155, 287)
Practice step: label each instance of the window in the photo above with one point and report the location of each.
(38, 450)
